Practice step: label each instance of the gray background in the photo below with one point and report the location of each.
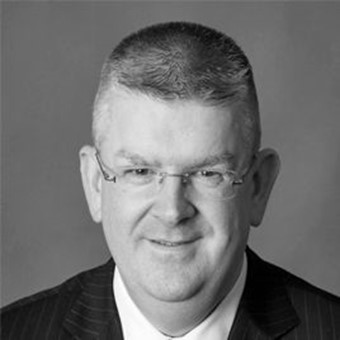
(51, 57)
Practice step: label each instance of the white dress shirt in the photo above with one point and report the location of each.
(216, 326)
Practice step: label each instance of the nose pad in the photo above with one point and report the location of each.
(172, 204)
(184, 178)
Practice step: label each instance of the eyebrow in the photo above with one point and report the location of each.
(210, 160)
(132, 157)
(215, 160)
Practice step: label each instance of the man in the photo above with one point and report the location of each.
(177, 178)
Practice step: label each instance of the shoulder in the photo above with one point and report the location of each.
(44, 310)
(315, 310)
(303, 293)
(299, 290)
(307, 298)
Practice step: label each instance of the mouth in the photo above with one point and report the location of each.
(171, 244)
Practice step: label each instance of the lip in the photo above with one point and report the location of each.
(172, 244)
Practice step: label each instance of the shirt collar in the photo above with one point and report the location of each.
(216, 326)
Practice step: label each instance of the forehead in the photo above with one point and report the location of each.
(170, 131)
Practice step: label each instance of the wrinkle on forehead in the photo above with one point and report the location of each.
(143, 130)
(211, 160)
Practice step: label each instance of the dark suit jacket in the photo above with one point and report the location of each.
(274, 305)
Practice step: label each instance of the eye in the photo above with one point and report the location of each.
(209, 178)
(139, 176)
(209, 173)
(139, 172)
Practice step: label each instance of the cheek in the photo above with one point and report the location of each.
(117, 208)
(116, 222)
(121, 216)
(228, 222)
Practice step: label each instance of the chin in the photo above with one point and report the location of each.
(173, 294)
(174, 288)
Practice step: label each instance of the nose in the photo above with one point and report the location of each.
(171, 205)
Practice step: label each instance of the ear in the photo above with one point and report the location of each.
(267, 166)
(92, 181)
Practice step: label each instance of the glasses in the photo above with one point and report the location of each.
(210, 184)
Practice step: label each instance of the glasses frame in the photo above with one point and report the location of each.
(162, 175)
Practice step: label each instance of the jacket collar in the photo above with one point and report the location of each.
(93, 314)
(265, 310)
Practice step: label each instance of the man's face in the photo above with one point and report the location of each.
(170, 245)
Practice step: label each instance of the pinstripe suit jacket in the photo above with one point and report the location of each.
(274, 305)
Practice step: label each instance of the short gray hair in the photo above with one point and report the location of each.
(180, 60)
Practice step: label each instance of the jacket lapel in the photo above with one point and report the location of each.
(93, 314)
(265, 310)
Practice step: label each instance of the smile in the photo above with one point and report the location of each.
(171, 244)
